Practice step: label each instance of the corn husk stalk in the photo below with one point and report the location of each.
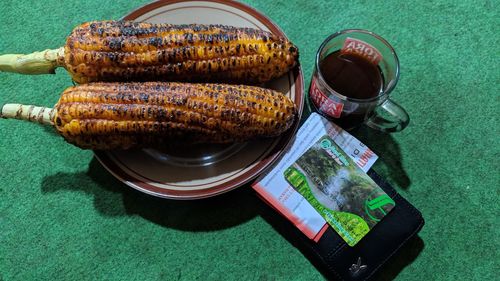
(40, 114)
(44, 62)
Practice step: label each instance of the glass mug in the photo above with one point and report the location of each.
(377, 111)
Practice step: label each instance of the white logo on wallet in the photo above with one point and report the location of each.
(357, 267)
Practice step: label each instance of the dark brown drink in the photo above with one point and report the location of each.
(355, 77)
(351, 75)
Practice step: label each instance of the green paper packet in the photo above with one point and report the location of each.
(347, 198)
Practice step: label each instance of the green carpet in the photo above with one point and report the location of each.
(63, 217)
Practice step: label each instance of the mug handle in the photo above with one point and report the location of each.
(389, 117)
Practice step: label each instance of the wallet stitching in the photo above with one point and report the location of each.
(339, 246)
(413, 210)
(328, 264)
(410, 206)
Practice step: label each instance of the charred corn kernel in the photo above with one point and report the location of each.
(123, 51)
(131, 51)
(151, 114)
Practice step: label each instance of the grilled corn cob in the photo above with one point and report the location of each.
(153, 114)
(132, 51)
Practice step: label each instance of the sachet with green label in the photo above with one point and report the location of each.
(347, 198)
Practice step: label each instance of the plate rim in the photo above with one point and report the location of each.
(254, 172)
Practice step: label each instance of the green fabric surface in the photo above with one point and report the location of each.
(63, 217)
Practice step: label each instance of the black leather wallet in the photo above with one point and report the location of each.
(339, 261)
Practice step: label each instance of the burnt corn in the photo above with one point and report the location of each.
(152, 114)
(132, 51)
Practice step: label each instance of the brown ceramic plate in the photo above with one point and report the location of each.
(203, 171)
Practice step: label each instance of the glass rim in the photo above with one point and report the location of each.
(385, 92)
